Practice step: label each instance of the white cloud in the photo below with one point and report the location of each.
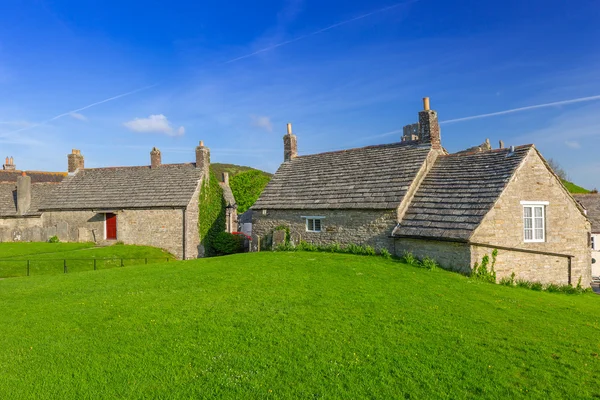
(78, 116)
(154, 124)
(572, 144)
(262, 122)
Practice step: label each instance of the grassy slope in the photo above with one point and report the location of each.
(219, 168)
(573, 188)
(273, 325)
(47, 258)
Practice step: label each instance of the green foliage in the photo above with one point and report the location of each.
(232, 169)
(288, 326)
(508, 280)
(287, 232)
(538, 286)
(227, 243)
(286, 247)
(573, 188)
(54, 239)
(247, 187)
(211, 214)
(410, 259)
(429, 263)
(385, 253)
(481, 271)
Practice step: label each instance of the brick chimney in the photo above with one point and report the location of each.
(203, 159)
(75, 160)
(290, 145)
(23, 193)
(155, 158)
(429, 128)
(9, 164)
(226, 178)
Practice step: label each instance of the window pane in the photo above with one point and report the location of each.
(528, 234)
(527, 212)
(539, 223)
(528, 223)
(317, 225)
(539, 234)
(538, 212)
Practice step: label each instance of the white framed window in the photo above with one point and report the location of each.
(314, 224)
(534, 221)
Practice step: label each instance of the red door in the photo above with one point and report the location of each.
(111, 226)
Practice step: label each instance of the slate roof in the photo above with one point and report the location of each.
(8, 198)
(591, 202)
(36, 176)
(228, 195)
(458, 192)
(374, 177)
(170, 185)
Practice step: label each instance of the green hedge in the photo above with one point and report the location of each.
(211, 214)
(247, 187)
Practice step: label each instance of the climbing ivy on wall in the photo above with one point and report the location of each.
(247, 187)
(211, 214)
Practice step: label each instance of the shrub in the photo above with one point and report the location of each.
(54, 239)
(304, 246)
(286, 247)
(354, 249)
(226, 243)
(410, 259)
(429, 263)
(537, 286)
(481, 271)
(508, 280)
(553, 288)
(385, 254)
(523, 284)
(368, 251)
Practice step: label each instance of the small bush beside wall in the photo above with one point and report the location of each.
(227, 243)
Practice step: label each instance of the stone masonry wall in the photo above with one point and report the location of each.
(74, 226)
(567, 228)
(449, 255)
(21, 229)
(162, 228)
(192, 236)
(363, 227)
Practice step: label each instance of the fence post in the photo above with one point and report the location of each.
(27, 267)
(94, 264)
(65, 265)
(121, 262)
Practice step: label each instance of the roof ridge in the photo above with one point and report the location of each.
(140, 166)
(374, 146)
(474, 152)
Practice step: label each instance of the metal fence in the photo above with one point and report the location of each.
(13, 267)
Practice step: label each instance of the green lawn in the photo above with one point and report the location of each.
(292, 325)
(49, 258)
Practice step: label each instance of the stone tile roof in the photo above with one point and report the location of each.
(8, 198)
(458, 192)
(227, 195)
(170, 185)
(374, 177)
(591, 202)
(36, 176)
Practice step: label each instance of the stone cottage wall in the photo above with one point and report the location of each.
(21, 229)
(449, 255)
(192, 236)
(74, 226)
(567, 229)
(363, 227)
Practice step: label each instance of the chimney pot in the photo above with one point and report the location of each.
(289, 128)
(426, 103)
(9, 164)
(202, 143)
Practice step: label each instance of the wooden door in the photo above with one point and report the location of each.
(111, 226)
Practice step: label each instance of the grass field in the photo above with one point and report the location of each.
(292, 325)
(49, 258)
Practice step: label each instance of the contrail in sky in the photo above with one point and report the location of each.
(514, 110)
(320, 31)
(78, 109)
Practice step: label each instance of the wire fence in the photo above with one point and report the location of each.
(13, 267)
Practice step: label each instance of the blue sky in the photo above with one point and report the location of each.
(345, 73)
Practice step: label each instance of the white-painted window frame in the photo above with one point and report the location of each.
(104, 214)
(310, 223)
(533, 205)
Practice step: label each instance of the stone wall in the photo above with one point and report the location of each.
(449, 255)
(21, 229)
(567, 229)
(363, 227)
(162, 228)
(74, 226)
(596, 255)
(192, 236)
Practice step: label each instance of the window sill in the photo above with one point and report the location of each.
(535, 241)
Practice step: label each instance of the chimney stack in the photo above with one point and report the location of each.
(203, 159)
(429, 128)
(9, 164)
(501, 143)
(155, 158)
(23, 194)
(226, 178)
(290, 145)
(75, 160)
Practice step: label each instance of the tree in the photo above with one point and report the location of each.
(247, 187)
(558, 170)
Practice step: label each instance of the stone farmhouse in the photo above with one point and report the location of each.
(154, 205)
(591, 203)
(414, 196)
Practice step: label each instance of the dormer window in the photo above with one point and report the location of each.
(534, 221)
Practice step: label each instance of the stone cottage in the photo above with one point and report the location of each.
(154, 205)
(414, 196)
(591, 203)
